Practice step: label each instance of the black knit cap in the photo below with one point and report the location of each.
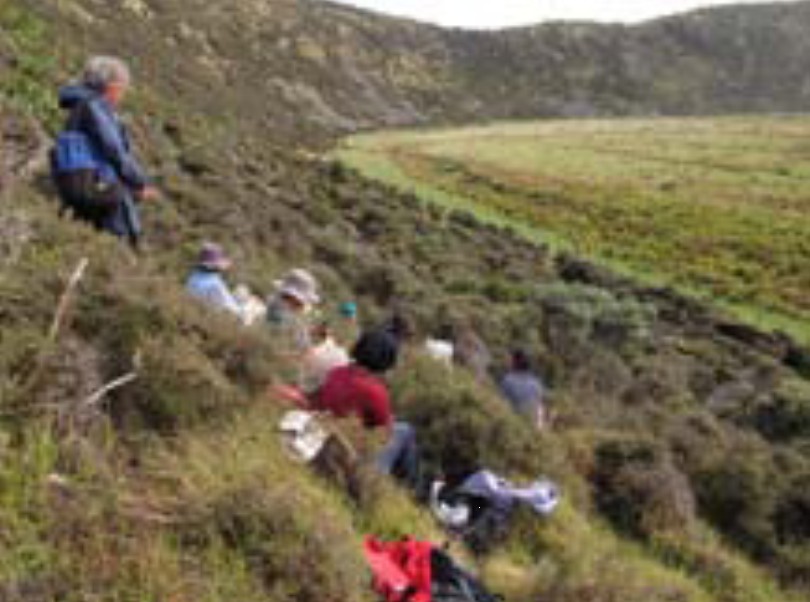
(521, 361)
(376, 351)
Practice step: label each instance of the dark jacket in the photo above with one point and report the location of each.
(91, 114)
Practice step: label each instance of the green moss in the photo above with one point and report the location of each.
(27, 83)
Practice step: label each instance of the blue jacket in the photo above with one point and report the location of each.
(94, 116)
(211, 288)
(91, 114)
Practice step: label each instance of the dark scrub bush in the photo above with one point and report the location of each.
(639, 489)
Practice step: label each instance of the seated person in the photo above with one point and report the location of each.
(441, 351)
(290, 310)
(471, 352)
(253, 307)
(324, 356)
(206, 281)
(524, 390)
(356, 390)
(348, 328)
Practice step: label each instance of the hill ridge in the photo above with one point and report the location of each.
(319, 69)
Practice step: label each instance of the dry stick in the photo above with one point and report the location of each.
(56, 325)
(64, 300)
(109, 388)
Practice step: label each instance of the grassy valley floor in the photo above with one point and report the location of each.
(718, 207)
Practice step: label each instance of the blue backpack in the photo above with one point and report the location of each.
(74, 151)
(79, 176)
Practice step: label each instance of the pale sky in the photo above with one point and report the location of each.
(506, 13)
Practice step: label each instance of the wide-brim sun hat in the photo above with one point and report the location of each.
(300, 285)
(213, 257)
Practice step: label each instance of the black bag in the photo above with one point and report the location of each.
(76, 171)
(451, 583)
(487, 525)
(87, 196)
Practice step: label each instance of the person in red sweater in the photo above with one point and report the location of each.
(357, 390)
(354, 391)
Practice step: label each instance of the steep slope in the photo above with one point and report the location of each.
(305, 69)
(680, 437)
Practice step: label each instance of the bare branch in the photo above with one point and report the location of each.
(109, 388)
(64, 300)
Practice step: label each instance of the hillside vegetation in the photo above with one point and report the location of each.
(303, 70)
(680, 438)
(715, 206)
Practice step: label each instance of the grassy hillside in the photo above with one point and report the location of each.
(717, 207)
(680, 436)
(317, 69)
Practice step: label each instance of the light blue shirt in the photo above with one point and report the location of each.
(211, 288)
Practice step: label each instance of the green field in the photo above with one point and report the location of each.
(719, 208)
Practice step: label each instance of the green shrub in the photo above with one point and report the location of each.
(462, 426)
(739, 495)
(639, 489)
(580, 312)
(786, 414)
(178, 387)
(297, 550)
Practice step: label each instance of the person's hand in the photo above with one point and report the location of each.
(289, 394)
(148, 193)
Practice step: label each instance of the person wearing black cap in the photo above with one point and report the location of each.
(358, 390)
(524, 390)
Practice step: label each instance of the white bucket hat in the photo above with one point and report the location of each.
(301, 285)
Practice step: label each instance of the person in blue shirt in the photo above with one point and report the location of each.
(207, 283)
(524, 390)
(108, 195)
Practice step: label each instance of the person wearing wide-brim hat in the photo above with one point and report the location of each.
(207, 283)
(291, 307)
(299, 290)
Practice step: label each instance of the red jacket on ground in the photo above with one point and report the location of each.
(402, 569)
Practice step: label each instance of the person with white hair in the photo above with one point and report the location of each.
(95, 171)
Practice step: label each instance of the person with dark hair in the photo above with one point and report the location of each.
(524, 390)
(400, 327)
(357, 390)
